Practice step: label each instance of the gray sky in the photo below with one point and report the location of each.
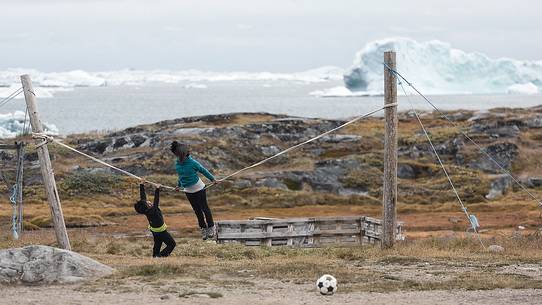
(250, 35)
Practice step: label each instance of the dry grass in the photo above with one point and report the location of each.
(438, 263)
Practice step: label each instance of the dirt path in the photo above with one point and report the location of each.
(276, 294)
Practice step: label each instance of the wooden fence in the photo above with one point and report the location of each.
(303, 232)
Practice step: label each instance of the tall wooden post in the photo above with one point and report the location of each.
(19, 179)
(390, 153)
(46, 167)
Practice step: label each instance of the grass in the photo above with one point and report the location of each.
(426, 264)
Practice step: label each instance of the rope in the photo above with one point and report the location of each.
(47, 138)
(11, 96)
(302, 143)
(480, 148)
(463, 208)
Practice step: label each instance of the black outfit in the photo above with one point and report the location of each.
(156, 221)
(198, 201)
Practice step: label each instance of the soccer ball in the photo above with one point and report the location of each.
(327, 284)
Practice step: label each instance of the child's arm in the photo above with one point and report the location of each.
(203, 170)
(142, 195)
(156, 197)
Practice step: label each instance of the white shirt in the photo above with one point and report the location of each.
(195, 188)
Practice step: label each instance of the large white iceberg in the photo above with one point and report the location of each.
(434, 67)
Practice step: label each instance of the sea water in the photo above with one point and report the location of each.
(107, 108)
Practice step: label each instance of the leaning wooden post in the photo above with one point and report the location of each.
(390, 153)
(46, 167)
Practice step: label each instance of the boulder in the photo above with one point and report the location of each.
(535, 181)
(495, 249)
(271, 183)
(46, 265)
(405, 171)
(499, 186)
(503, 153)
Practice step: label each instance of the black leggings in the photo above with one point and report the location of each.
(198, 201)
(159, 238)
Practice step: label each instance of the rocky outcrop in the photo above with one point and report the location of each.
(499, 186)
(344, 163)
(48, 265)
(502, 153)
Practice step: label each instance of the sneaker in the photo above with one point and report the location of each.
(211, 232)
(204, 233)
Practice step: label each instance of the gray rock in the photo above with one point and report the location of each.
(46, 265)
(405, 171)
(499, 186)
(459, 116)
(340, 138)
(495, 249)
(242, 184)
(535, 181)
(534, 122)
(270, 150)
(503, 153)
(192, 131)
(271, 183)
(497, 130)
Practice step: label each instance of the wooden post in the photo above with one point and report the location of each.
(46, 167)
(19, 179)
(390, 153)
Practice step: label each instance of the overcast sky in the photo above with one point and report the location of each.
(250, 35)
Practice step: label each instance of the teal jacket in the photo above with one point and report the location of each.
(188, 172)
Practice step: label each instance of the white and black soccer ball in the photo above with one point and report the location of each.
(327, 284)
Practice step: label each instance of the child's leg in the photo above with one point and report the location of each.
(170, 243)
(202, 198)
(194, 202)
(157, 244)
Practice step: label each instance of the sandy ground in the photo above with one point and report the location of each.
(276, 294)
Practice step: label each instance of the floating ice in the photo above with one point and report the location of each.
(434, 67)
(48, 83)
(195, 86)
(528, 88)
(12, 124)
(341, 91)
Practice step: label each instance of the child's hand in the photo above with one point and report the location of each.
(177, 189)
(142, 181)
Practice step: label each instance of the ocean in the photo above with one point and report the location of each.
(108, 108)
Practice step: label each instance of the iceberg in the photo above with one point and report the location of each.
(12, 124)
(528, 88)
(434, 67)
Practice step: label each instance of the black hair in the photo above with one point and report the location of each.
(141, 207)
(174, 147)
(180, 149)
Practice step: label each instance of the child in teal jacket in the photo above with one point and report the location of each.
(187, 169)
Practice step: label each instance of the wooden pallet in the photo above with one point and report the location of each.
(302, 232)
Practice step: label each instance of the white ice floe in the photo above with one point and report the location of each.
(342, 91)
(12, 124)
(195, 86)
